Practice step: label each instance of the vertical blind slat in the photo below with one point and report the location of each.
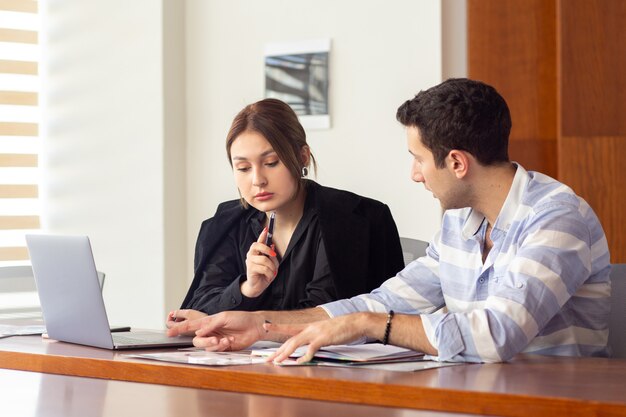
(19, 98)
(18, 67)
(14, 253)
(19, 191)
(19, 222)
(18, 36)
(24, 6)
(12, 190)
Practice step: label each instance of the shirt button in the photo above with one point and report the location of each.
(232, 300)
(519, 284)
(495, 279)
(481, 280)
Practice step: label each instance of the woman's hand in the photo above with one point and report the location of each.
(261, 267)
(228, 330)
(177, 317)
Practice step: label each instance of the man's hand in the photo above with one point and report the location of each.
(337, 331)
(226, 331)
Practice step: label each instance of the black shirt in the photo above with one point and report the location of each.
(344, 245)
(303, 280)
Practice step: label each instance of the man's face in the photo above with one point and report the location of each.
(440, 181)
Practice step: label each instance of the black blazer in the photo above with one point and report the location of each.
(359, 233)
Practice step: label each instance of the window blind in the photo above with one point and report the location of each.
(19, 127)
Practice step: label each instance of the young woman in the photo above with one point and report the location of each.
(327, 244)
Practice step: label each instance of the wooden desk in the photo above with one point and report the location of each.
(529, 385)
(28, 394)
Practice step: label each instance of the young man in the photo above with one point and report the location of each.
(520, 264)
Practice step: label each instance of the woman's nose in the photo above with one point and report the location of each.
(258, 178)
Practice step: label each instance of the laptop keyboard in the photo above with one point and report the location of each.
(148, 338)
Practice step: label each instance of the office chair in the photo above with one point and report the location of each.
(617, 319)
(412, 249)
(20, 282)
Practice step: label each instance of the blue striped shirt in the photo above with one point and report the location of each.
(544, 287)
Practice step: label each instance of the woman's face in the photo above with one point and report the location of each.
(262, 179)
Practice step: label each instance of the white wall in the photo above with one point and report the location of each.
(454, 38)
(104, 146)
(119, 130)
(382, 54)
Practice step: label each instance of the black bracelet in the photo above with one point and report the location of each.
(388, 327)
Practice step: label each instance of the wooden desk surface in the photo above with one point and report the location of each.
(529, 385)
(29, 394)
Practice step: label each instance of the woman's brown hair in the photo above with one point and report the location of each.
(279, 124)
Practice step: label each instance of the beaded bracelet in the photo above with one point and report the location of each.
(388, 327)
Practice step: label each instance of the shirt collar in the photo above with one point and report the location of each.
(509, 208)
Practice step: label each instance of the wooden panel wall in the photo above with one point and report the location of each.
(512, 46)
(561, 65)
(592, 113)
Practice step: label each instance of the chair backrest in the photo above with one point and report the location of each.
(412, 249)
(18, 292)
(16, 278)
(617, 319)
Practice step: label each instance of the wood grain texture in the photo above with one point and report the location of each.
(512, 46)
(592, 65)
(592, 97)
(529, 385)
(535, 155)
(47, 395)
(592, 166)
(561, 66)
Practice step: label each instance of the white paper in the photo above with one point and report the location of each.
(200, 357)
(354, 353)
(7, 330)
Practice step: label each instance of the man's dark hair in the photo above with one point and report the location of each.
(460, 114)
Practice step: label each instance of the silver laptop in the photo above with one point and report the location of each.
(71, 301)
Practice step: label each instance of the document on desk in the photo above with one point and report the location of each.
(366, 356)
(8, 330)
(198, 356)
(354, 354)
(201, 357)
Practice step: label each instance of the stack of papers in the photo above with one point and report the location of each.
(200, 357)
(371, 356)
(7, 330)
(370, 353)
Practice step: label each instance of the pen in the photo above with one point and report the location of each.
(270, 230)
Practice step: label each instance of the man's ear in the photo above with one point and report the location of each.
(458, 162)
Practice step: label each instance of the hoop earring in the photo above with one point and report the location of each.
(305, 172)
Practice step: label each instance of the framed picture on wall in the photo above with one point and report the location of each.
(297, 73)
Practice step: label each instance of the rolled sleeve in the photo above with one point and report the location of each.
(444, 334)
(339, 308)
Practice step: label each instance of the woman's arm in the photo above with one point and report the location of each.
(385, 259)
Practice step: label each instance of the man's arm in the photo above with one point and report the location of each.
(404, 330)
